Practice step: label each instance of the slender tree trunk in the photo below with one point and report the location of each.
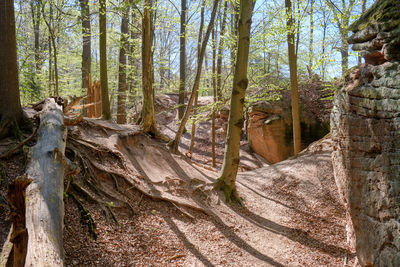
(86, 46)
(53, 41)
(193, 133)
(310, 51)
(182, 61)
(35, 8)
(220, 48)
(323, 64)
(121, 112)
(132, 78)
(293, 78)
(148, 115)
(50, 68)
(105, 101)
(214, 86)
(175, 143)
(11, 114)
(227, 179)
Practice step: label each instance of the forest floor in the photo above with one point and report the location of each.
(292, 215)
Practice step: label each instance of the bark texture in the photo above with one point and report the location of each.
(227, 179)
(147, 117)
(121, 110)
(44, 205)
(86, 46)
(293, 78)
(182, 61)
(11, 115)
(105, 101)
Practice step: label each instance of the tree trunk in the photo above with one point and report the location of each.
(193, 133)
(105, 100)
(310, 51)
(220, 47)
(214, 86)
(175, 143)
(344, 50)
(11, 114)
(43, 210)
(121, 112)
(35, 9)
(148, 115)
(227, 179)
(182, 61)
(293, 78)
(86, 47)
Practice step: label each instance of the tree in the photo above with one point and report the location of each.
(147, 119)
(193, 133)
(182, 61)
(105, 101)
(86, 44)
(175, 143)
(220, 47)
(227, 178)
(342, 18)
(293, 78)
(121, 113)
(11, 115)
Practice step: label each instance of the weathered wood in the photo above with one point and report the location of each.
(44, 196)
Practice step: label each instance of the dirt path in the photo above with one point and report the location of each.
(292, 214)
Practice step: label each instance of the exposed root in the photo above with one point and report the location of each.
(14, 149)
(86, 217)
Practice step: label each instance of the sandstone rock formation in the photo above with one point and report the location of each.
(365, 124)
(269, 126)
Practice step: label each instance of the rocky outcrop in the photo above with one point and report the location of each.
(269, 124)
(365, 124)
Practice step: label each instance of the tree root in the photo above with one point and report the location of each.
(231, 194)
(14, 149)
(86, 217)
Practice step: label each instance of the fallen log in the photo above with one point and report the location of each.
(44, 206)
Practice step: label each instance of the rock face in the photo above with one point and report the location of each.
(365, 124)
(269, 125)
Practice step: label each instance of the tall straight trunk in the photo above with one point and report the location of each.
(35, 9)
(50, 68)
(182, 61)
(105, 101)
(121, 112)
(234, 30)
(193, 133)
(132, 79)
(324, 27)
(293, 78)
(175, 143)
(227, 178)
(220, 47)
(214, 86)
(148, 115)
(53, 42)
(11, 115)
(86, 46)
(310, 51)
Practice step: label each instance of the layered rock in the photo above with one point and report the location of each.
(365, 124)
